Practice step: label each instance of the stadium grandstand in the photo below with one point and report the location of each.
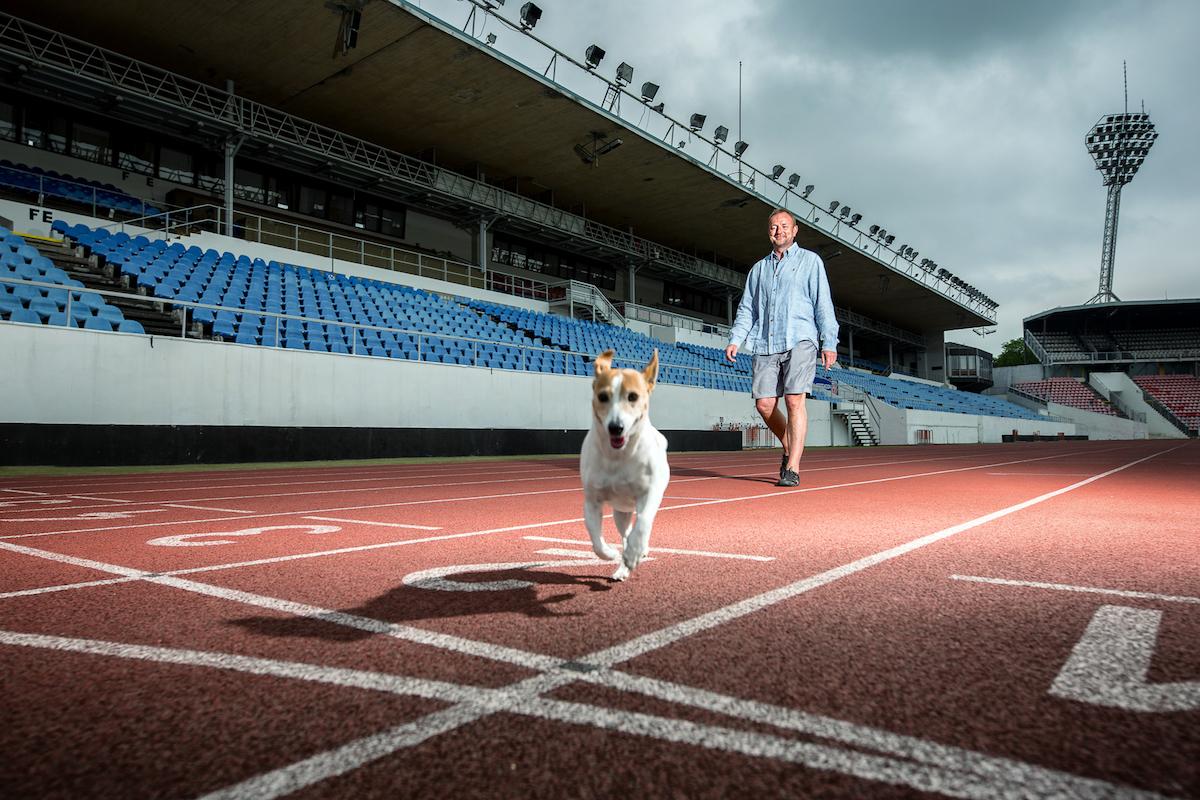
(211, 253)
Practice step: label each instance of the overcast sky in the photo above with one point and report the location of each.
(956, 124)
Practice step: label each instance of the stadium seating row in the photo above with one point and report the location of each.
(250, 301)
(1069, 392)
(68, 187)
(1179, 393)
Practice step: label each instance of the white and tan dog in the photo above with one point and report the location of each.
(624, 461)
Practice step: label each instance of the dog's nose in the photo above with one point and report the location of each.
(615, 428)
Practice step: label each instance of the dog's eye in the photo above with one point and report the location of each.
(602, 397)
(633, 397)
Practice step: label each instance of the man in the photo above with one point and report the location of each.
(785, 315)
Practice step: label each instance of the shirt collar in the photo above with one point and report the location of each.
(790, 251)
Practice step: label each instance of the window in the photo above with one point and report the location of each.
(248, 185)
(136, 154)
(175, 165)
(341, 208)
(8, 122)
(45, 130)
(312, 200)
(92, 144)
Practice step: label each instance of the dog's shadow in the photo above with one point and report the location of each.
(404, 604)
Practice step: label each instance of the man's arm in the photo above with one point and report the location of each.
(827, 325)
(744, 319)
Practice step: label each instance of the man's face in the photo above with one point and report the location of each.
(782, 231)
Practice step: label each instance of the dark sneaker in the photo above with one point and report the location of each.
(782, 465)
(788, 478)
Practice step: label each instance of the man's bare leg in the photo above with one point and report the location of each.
(797, 428)
(768, 409)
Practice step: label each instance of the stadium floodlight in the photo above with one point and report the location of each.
(793, 180)
(776, 171)
(624, 73)
(924, 261)
(648, 91)
(720, 134)
(491, 39)
(882, 233)
(593, 55)
(696, 122)
(833, 207)
(659, 108)
(855, 219)
(1119, 144)
(845, 211)
(874, 230)
(740, 148)
(888, 241)
(530, 14)
(807, 191)
(912, 254)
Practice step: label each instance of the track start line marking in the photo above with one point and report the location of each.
(671, 550)
(1110, 664)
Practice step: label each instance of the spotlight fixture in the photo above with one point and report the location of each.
(874, 230)
(740, 148)
(648, 91)
(855, 219)
(845, 211)
(624, 73)
(530, 14)
(594, 55)
(912, 254)
(659, 108)
(833, 207)
(491, 39)
(807, 191)
(696, 122)
(776, 171)
(888, 241)
(882, 233)
(793, 180)
(720, 134)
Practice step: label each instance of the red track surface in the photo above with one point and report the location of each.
(992, 621)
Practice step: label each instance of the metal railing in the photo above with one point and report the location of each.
(1079, 356)
(51, 186)
(350, 332)
(1167, 413)
(657, 316)
(574, 293)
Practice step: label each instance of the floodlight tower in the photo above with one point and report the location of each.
(1119, 144)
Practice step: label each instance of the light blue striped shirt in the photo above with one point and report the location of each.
(786, 301)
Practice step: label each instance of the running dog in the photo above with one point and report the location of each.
(624, 461)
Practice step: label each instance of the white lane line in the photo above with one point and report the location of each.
(947, 770)
(575, 488)
(384, 524)
(94, 497)
(1063, 587)
(547, 682)
(1041, 474)
(676, 551)
(562, 551)
(64, 587)
(26, 491)
(704, 622)
(558, 474)
(207, 508)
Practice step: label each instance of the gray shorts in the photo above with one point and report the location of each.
(791, 372)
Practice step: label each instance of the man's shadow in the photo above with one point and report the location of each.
(404, 604)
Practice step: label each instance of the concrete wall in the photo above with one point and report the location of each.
(1129, 394)
(59, 375)
(1003, 377)
(1099, 426)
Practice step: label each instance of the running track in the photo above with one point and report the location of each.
(984, 622)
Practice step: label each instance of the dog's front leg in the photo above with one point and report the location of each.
(593, 516)
(637, 544)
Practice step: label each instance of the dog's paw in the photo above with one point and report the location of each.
(621, 574)
(605, 552)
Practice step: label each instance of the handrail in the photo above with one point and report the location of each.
(420, 336)
(334, 247)
(659, 316)
(588, 293)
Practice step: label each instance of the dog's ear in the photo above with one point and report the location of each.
(604, 362)
(650, 373)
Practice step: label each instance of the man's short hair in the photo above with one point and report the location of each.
(778, 211)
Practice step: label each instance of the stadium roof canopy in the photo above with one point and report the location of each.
(419, 86)
(1150, 314)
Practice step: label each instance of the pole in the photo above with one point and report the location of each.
(740, 139)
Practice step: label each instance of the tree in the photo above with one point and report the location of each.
(1014, 353)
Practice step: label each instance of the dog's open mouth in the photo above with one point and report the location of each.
(617, 442)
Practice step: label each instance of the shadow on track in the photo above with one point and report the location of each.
(405, 604)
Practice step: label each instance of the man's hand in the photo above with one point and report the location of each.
(731, 352)
(828, 358)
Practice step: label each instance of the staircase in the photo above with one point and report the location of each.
(858, 421)
(152, 316)
(583, 301)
